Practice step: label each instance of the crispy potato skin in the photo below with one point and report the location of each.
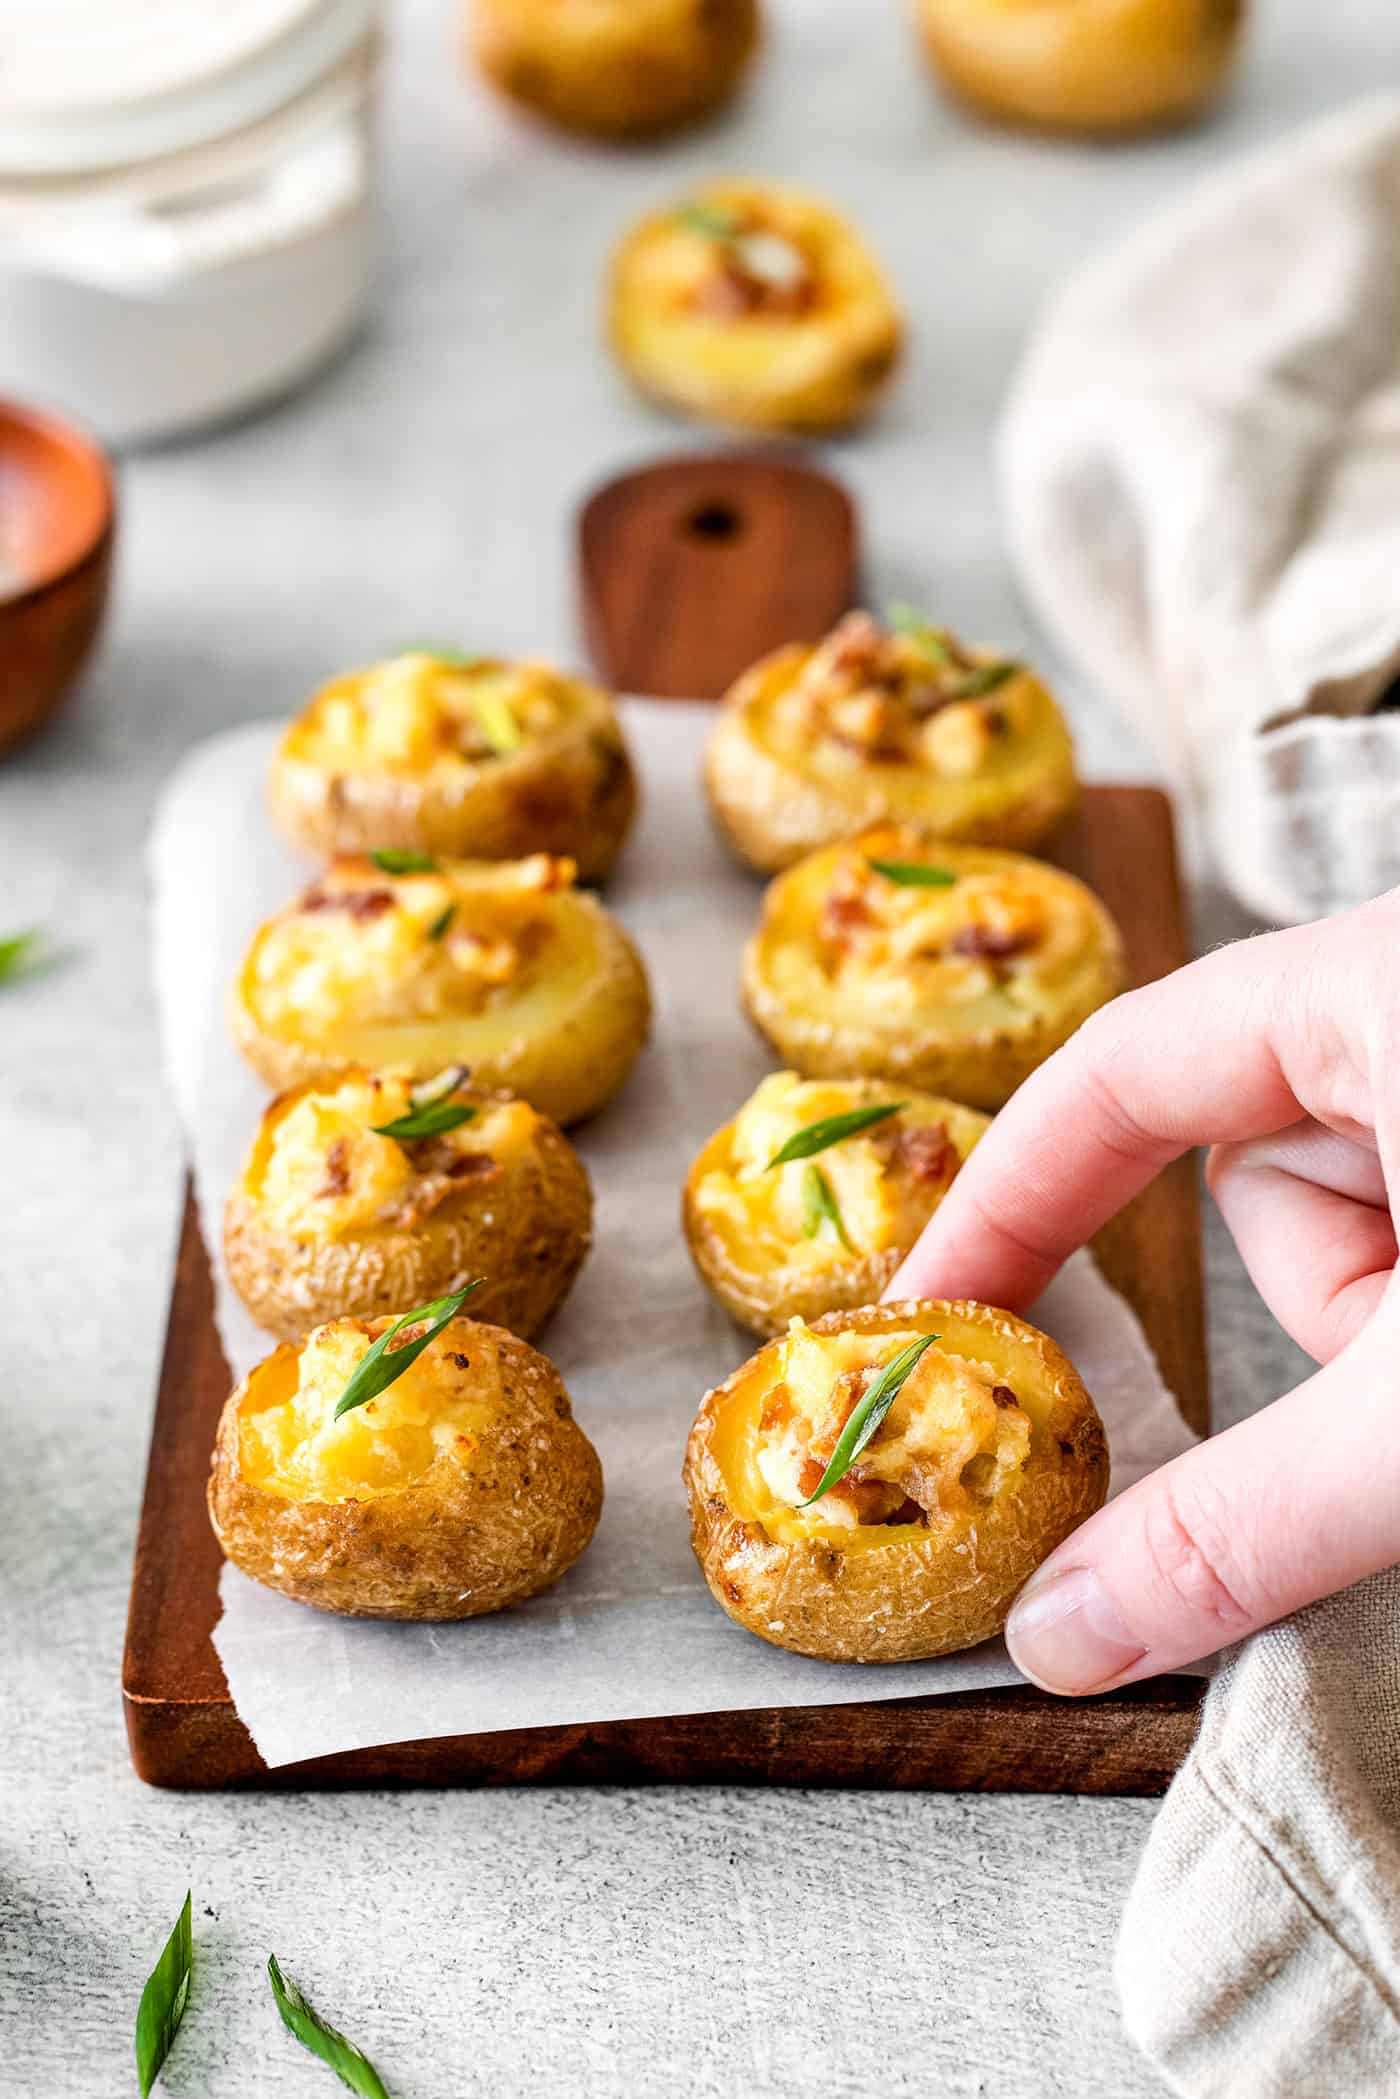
(571, 793)
(821, 370)
(946, 1588)
(982, 1068)
(527, 1232)
(567, 1071)
(1056, 65)
(630, 70)
(771, 814)
(455, 1544)
(764, 1300)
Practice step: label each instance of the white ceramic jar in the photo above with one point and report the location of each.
(186, 202)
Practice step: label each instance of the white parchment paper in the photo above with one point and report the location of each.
(631, 1631)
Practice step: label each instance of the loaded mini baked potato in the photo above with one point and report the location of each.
(955, 968)
(466, 1486)
(473, 758)
(618, 68)
(816, 744)
(810, 1198)
(499, 965)
(1083, 65)
(991, 1453)
(754, 305)
(364, 1192)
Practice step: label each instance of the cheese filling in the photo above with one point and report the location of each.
(419, 714)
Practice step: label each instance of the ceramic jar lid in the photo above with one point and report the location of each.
(88, 85)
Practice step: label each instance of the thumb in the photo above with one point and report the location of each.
(1300, 1500)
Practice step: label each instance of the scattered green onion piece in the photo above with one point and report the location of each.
(433, 1121)
(441, 923)
(985, 678)
(819, 1207)
(380, 1366)
(17, 953)
(496, 723)
(908, 620)
(306, 2025)
(868, 1415)
(440, 1087)
(163, 2001)
(833, 1129)
(914, 874)
(710, 219)
(402, 860)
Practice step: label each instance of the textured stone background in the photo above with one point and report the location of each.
(715, 1943)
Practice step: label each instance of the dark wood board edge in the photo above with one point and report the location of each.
(184, 1731)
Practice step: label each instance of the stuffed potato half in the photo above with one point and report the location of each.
(465, 1487)
(814, 745)
(754, 305)
(779, 1238)
(991, 1454)
(954, 968)
(617, 68)
(1064, 65)
(469, 757)
(502, 966)
(361, 1194)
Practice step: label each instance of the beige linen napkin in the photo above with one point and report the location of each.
(1260, 1950)
(1201, 468)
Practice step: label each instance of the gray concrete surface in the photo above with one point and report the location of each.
(715, 1943)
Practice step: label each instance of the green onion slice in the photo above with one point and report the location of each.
(907, 619)
(985, 678)
(439, 1088)
(433, 1121)
(163, 2001)
(16, 952)
(402, 860)
(832, 1129)
(712, 220)
(496, 723)
(869, 1414)
(819, 1207)
(351, 2065)
(441, 923)
(380, 1366)
(914, 874)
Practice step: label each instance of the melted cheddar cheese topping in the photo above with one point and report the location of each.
(422, 716)
(365, 948)
(755, 259)
(290, 1443)
(322, 1170)
(953, 1437)
(885, 1181)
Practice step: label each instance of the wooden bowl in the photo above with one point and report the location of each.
(57, 524)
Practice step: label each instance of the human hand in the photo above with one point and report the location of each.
(1282, 1054)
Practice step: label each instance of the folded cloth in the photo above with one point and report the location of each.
(1201, 468)
(1260, 1951)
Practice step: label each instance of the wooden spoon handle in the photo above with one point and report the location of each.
(692, 569)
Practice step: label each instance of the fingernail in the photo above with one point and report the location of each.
(1066, 1636)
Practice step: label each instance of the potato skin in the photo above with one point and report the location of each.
(647, 67)
(453, 1544)
(763, 1300)
(982, 1069)
(771, 814)
(947, 1589)
(740, 372)
(568, 1072)
(572, 793)
(1132, 65)
(528, 1233)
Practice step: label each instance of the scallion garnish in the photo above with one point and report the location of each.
(441, 923)
(402, 860)
(914, 874)
(909, 621)
(819, 1207)
(439, 1087)
(710, 219)
(433, 1121)
(17, 953)
(381, 1365)
(985, 678)
(163, 2001)
(351, 2065)
(833, 1129)
(496, 723)
(868, 1416)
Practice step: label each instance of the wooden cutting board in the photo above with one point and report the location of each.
(182, 1725)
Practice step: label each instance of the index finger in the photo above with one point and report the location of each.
(1192, 1059)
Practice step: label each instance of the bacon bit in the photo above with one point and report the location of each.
(777, 1409)
(809, 1477)
(844, 913)
(462, 1362)
(337, 1171)
(925, 1153)
(1003, 1396)
(854, 644)
(359, 903)
(474, 1166)
(909, 1511)
(732, 293)
(846, 1395)
(988, 944)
